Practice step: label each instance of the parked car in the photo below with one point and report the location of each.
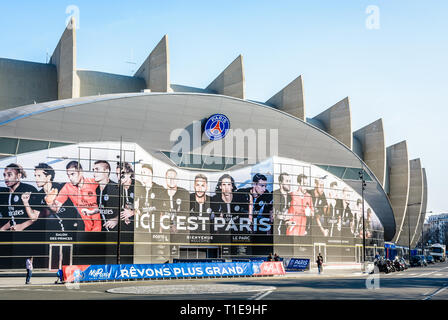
(425, 263)
(417, 261)
(430, 259)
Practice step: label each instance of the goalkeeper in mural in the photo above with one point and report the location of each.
(82, 192)
(300, 210)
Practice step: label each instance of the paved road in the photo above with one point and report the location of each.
(428, 283)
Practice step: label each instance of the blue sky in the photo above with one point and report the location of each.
(397, 72)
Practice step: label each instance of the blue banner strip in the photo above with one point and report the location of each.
(159, 271)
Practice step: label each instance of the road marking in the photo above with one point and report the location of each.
(427, 274)
(435, 293)
(261, 295)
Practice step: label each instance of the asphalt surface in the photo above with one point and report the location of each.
(425, 283)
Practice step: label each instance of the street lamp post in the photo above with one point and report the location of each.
(361, 176)
(423, 226)
(409, 229)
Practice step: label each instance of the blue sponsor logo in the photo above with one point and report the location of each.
(298, 264)
(217, 127)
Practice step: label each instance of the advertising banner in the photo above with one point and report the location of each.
(298, 264)
(176, 270)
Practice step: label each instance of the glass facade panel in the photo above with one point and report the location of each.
(8, 145)
(31, 145)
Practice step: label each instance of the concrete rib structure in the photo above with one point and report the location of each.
(230, 82)
(373, 147)
(422, 216)
(398, 164)
(64, 58)
(338, 121)
(60, 79)
(156, 68)
(415, 199)
(290, 99)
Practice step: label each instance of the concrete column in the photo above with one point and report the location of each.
(398, 163)
(374, 148)
(156, 68)
(422, 216)
(290, 99)
(64, 58)
(338, 121)
(415, 198)
(231, 81)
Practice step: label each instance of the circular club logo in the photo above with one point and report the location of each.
(217, 127)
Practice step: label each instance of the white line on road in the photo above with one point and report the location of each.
(427, 274)
(437, 292)
(261, 295)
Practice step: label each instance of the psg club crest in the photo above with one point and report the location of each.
(217, 127)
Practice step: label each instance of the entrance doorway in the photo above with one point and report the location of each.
(358, 253)
(198, 252)
(60, 254)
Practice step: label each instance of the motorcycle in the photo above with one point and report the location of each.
(397, 264)
(382, 265)
(390, 265)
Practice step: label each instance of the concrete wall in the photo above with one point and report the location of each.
(290, 99)
(398, 163)
(231, 81)
(373, 148)
(338, 121)
(23, 82)
(156, 68)
(94, 83)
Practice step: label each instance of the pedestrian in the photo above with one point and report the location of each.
(29, 269)
(60, 277)
(276, 257)
(269, 257)
(320, 261)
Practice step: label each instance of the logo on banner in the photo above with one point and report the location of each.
(217, 127)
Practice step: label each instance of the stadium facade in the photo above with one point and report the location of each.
(91, 160)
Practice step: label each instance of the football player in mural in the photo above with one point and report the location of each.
(150, 200)
(176, 199)
(282, 202)
(128, 185)
(67, 218)
(200, 204)
(347, 215)
(82, 193)
(370, 224)
(107, 195)
(356, 227)
(300, 210)
(227, 208)
(303, 184)
(259, 202)
(335, 210)
(17, 200)
(320, 209)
